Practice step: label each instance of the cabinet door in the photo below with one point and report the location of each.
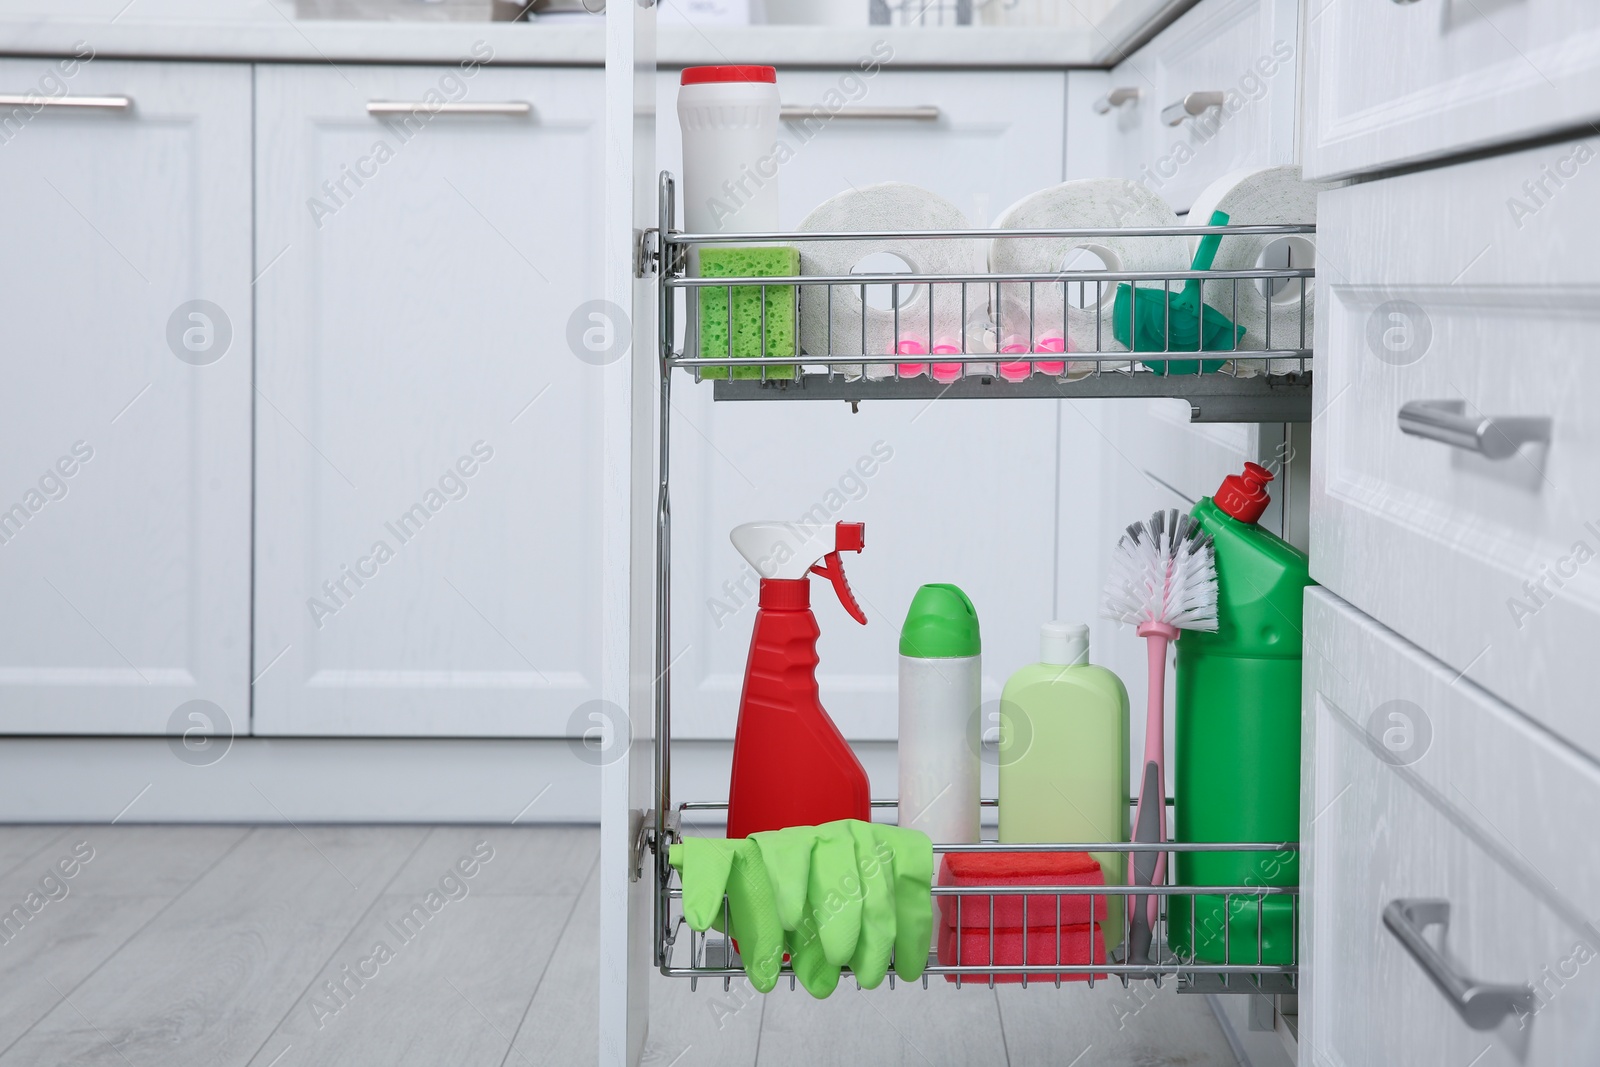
(953, 491)
(125, 412)
(1244, 50)
(427, 513)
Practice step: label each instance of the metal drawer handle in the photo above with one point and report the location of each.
(1481, 1005)
(1495, 437)
(797, 113)
(1193, 105)
(1123, 94)
(408, 107)
(95, 103)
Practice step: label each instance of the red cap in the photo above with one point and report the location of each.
(785, 594)
(702, 75)
(1244, 496)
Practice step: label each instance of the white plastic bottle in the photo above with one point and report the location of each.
(940, 694)
(729, 116)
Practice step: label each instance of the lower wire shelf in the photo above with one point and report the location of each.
(1240, 938)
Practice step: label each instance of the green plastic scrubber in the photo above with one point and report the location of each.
(1179, 322)
(748, 262)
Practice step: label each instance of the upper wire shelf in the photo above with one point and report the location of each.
(957, 335)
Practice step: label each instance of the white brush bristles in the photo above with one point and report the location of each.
(1164, 570)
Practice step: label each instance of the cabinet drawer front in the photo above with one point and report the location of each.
(1390, 83)
(1438, 292)
(1422, 787)
(1242, 50)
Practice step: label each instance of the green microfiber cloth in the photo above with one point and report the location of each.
(747, 262)
(1191, 330)
(846, 892)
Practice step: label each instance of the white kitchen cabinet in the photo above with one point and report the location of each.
(1420, 786)
(125, 413)
(1483, 560)
(428, 520)
(953, 491)
(1396, 83)
(1243, 53)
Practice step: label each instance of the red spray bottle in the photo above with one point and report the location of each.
(791, 766)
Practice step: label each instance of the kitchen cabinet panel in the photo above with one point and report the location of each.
(126, 408)
(428, 513)
(1482, 559)
(1420, 786)
(1398, 83)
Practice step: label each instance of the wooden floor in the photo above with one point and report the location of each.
(277, 947)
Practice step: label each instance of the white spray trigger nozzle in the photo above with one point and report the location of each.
(789, 551)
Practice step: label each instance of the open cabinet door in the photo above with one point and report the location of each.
(618, 333)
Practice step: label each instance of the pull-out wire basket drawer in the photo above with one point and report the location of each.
(1215, 939)
(995, 335)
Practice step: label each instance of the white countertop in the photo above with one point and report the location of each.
(267, 30)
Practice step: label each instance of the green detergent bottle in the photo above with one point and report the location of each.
(1237, 759)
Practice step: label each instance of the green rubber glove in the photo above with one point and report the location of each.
(846, 892)
(875, 871)
(787, 854)
(713, 867)
(817, 887)
(912, 854)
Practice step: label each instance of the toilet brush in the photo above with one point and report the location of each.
(1163, 579)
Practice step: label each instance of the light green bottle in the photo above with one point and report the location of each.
(1064, 755)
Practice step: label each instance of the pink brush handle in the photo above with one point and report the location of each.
(1157, 635)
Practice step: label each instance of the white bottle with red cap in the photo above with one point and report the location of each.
(729, 116)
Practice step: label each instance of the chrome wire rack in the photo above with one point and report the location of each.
(1233, 940)
(1007, 325)
(1257, 921)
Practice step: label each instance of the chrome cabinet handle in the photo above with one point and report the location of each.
(408, 107)
(1190, 106)
(1481, 1005)
(1122, 94)
(1494, 437)
(797, 113)
(93, 103)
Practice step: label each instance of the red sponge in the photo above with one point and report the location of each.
(1019, 869)
(1073, 946)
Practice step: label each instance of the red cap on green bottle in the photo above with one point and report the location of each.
(1244, 496)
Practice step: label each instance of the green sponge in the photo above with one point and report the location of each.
(747, 262)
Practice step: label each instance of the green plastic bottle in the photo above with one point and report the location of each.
(1237, 759)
